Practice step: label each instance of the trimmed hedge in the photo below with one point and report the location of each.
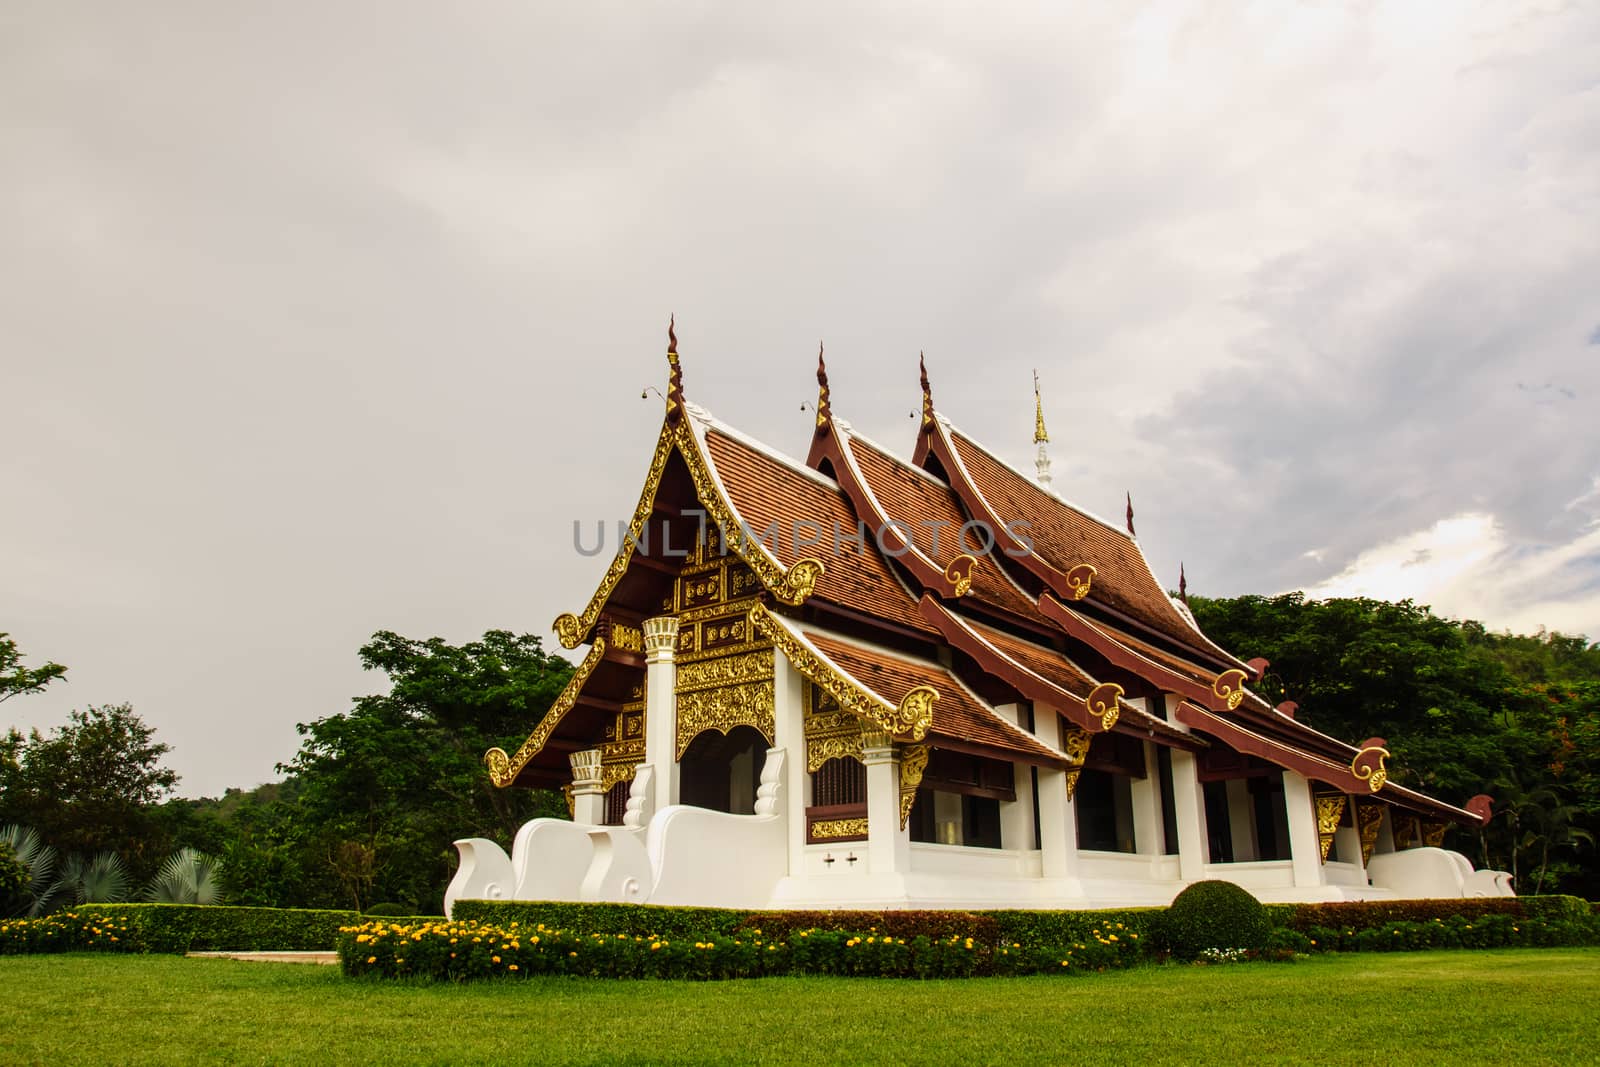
(466, 950)
(1367, 914)
(635, 920)
(211, 928)
(935, 925)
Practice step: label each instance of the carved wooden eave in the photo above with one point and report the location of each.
(1098, 708)
(503, 769)
(684, 436)
(1225, 693)
(1347, 778)
(906, 718)
(955, 717)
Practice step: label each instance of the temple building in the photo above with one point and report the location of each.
(862, 681)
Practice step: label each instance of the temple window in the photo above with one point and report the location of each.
(617, 802)
(838, 782)
(1103, 800)
(1169, 802)
(959, 802)
(1104, 804)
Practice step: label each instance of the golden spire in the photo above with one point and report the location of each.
(1039, 435)
(927, 393)
(824, 408)
(675, 373)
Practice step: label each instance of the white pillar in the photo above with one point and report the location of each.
(1058, 826)
(1305, 850)
(1147, 833)
(661, 707)
(1189, 807)
(1016, 817)
(588, 801)
(789, 729)
(888, 846)
(1242, 820)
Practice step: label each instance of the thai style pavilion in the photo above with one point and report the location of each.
(861, 681)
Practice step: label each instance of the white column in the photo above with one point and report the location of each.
(1188, 806)
(661, 708)
(1147, 832)
(1242, 820)
(588, 801)
(888, 846)
(1305, 850)
(789, 728)
(1016, 817)
(1058, 827)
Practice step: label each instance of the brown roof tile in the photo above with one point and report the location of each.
(1065, 536)
(932, 514)
(766, 491)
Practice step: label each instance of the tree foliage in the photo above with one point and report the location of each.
(17, 680)
(377, 794)
(90, 785)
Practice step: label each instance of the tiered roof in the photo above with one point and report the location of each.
(899, 607)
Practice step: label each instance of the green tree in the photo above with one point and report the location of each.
(15, 679)
(90, 786)
(383, 789)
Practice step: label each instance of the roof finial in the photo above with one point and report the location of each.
(1040, 437)
(824, 407)
(1183, 585)
(927, 393)
(1130, 514)
(1041, 440)
(675, 373)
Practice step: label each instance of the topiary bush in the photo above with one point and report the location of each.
(1214, 915)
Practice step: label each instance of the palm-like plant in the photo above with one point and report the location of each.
(100, 879)
(40, 861)
(187, 877)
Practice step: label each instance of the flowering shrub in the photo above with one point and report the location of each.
(468, 950)
(66, 931)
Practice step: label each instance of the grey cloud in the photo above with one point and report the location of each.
(323, 322)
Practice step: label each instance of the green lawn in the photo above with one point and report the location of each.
(1510, 1006)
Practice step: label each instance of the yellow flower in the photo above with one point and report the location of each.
(512, 967)
(495, 959)
(654, 945)
(372, 959)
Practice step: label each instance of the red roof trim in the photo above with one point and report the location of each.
(1316, 768)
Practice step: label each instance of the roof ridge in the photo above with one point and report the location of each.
(708, 421)
(856, 435)
(1051, 493)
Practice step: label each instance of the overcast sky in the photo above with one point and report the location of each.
(324, 318)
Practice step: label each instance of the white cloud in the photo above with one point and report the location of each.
(1466, 566)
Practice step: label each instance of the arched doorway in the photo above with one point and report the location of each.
(722, 771)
